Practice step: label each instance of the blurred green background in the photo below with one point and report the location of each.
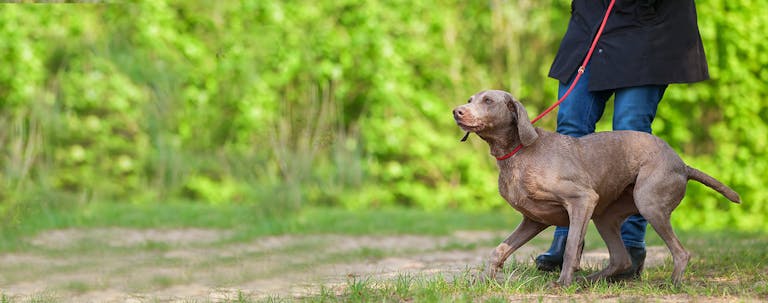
(287, 104)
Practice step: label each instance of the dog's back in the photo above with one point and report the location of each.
(621, 154)
(607, 162)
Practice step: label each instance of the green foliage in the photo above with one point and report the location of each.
(720, 126)
(282, 104)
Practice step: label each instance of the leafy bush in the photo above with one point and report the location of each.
(342, 103)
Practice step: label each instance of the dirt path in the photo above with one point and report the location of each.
(124, 265)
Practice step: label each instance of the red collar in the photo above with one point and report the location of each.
(510, 154)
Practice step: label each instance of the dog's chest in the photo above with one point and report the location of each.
(519, 184)
(511, 193)
(520, 193)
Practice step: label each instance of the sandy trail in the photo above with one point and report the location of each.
(124, 265)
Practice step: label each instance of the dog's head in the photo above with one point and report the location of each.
(495, 113)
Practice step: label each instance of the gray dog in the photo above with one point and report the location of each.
(560, 180)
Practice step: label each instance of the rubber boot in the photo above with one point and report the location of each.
(637, 255)
(552, 259)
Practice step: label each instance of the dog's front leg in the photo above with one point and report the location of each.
(522, 234)
(579, 211)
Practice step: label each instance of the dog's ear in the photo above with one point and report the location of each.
(525, 130)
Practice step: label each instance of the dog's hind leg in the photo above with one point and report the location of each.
(657, 194)
(608, 224)
(680, 256)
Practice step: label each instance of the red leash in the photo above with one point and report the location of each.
(575, 80)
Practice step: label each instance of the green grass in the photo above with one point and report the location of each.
(524, 283)
(726, 265)
(249, 221)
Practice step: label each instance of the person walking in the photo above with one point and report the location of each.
(645, 46)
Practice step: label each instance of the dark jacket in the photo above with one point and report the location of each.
(644, 42)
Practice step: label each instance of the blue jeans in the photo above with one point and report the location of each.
(634, 109)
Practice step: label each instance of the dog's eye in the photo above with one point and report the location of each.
(469, 100)
(487, 100)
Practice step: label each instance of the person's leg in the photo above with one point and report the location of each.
(635, 109)
(579, 113)
(576, 117)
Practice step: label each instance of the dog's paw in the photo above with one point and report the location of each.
(553, 285)
(563, 282)
(485, 276)
(584, 280)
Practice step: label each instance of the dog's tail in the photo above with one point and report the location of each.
(708, 180)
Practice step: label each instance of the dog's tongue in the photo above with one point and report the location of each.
(465, 137)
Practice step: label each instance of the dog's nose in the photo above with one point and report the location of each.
(458, 113)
